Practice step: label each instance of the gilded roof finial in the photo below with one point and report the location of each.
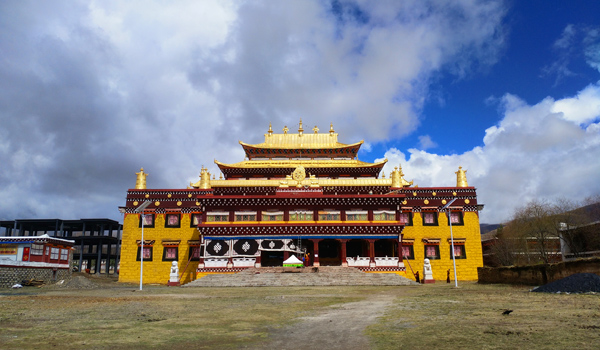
(204, 178)
(398, 179)
(140, 182)
(331, 129)
(285, 130)
(316, 130)
(383, 174)
(300, 129)
(461, 178)
(270, 129)
(220, 176)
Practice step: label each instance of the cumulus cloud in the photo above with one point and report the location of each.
(425, 142)
(544, 151)
(93, 90)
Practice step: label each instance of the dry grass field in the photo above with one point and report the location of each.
(118, 316)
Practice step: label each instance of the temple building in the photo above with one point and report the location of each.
(302, 194)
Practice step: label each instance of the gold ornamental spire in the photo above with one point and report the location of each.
(270, 129)
(300, 129)
(398, 179)
(140, 182)
(204, 179)
(461, 178)
(331, 131)
(316, 129)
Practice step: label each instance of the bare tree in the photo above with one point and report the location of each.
(536, 226)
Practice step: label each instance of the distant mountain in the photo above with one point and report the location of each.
(485, 228)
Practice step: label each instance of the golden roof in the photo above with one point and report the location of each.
(307, 163)
(301, 140)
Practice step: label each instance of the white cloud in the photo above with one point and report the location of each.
(536, 151)
(425, 142)
(93, 91)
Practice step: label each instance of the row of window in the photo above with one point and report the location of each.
(432, 251)
(55, 253)
(168, 254)
(429, 218)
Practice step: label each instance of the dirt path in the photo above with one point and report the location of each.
(337, 327)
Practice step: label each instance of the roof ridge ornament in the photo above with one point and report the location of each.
(285, 130)
(397, 177)
(300, 129)
(140, 182)
(316, 129)
(331, 131)
(461, 178)
(270, 129)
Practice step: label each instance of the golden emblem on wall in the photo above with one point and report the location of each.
(299, 174)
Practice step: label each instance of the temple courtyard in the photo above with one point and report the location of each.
(100, 313)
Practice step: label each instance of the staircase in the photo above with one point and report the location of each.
(286, 276)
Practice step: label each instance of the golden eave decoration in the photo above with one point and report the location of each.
(300, 145)
(299, 178)
(307, 163)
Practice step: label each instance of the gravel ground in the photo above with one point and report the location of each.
(577, 283)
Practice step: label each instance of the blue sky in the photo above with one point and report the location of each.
(90, 91)
(524, 68)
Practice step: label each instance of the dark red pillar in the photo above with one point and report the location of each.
(371, 251)
(315, 258)
(343, 252)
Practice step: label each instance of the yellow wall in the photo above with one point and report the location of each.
(156, 271)
(466, 269)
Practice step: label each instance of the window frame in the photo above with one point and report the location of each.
(461, 247)
(149, 247)
(460, 222)
(437, 251)
(410, 218)
(301, 215)
(435, 218)
(193, 216)
(64, 254)
(166, 249)
(411, 250)
(37, 249)
(191, 251)
(153, 219)
(54, 253)
(177, 225)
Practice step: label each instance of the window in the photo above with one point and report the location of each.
(245, 216)
(173, 220)
(384, 215)
(430, 219)
(54, 253)
(195, 253)
(147, 253)
(432, 252)
(64, 254)
(357, 215)
(170, 253)
(148, 220)
(456, 218)
(301, 215)
(196, 220)
(459, 251)
(408, 252)
(217, 216)
(272, 216)
(37, 249)
(406, 219)
(329, 215)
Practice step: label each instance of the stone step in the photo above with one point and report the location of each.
(340, 276)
